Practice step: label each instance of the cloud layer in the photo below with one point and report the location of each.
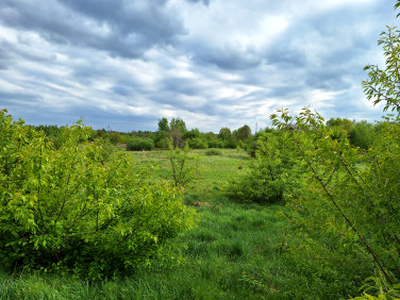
(125, 64)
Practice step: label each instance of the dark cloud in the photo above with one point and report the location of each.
(121, 28)
(230, 58)
(205, 2)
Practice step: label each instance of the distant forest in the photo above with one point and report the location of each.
(361, 134)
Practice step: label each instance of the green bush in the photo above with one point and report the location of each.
(216, 144)
(197, 143)
(352, 199)
(213, 152)
(140, 144)
(362, 135)
(79, 209)
(273, 173)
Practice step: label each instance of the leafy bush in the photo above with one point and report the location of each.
(115, 137)
(197, 143)
(273, 172)
(362, 135)
(79, 208)
(213, 152)
(140, 144)
(216, 144)
(354, 199)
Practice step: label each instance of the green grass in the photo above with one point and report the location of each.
(237, 251)
(214, 171)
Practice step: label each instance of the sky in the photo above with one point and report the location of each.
(124, 64)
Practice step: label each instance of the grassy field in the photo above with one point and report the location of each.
(237, 251)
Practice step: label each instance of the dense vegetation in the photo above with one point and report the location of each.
(80, 207)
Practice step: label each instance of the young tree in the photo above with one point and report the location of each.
(383, 85)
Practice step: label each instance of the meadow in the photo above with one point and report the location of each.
(236, 251)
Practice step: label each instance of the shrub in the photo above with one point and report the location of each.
(197, 143)
(140, 144)
(362, 135)
(213, 152)
(272, 174)
(78, 208)
(354, 195)
(115, 137)
(184, 168)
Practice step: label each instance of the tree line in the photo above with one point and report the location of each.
(360, 133)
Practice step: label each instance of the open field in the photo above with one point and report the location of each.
(237, 251)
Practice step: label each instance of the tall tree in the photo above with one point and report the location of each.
(163, 125)
(244, 133)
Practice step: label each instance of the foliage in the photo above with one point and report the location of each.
(79, 208)
(114, 137)
(361, 192)
(175, 130)
(229, 140)
(362, 135)
(197, 143)
(273, 172)
(184, 167)
(379, 286)
(211, 152)
(163, 125)
(53, 132)
(192, 134)
(383, 85)
(140, 144)
(345, 124)
(161, 140)
(244, 133)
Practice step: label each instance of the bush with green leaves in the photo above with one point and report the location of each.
(184, 167)
(79, 208)
(353, 197)
(213, 152)
(362, 135)
(273, 172)
(197, 143)
(140, 144)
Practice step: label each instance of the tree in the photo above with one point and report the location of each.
(176, 132)
(178, 123)
(244, 133)
(362, 135)
(224, 134)
(384, 84)
(345, 124)
(163, 125)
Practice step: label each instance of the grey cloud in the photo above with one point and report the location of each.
(78, 69)
(122, 28)
(232, 58)
(205, 2)
(122, 90)
(6, 59)
(182, 86)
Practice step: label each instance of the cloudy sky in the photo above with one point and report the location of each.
(124, 64)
